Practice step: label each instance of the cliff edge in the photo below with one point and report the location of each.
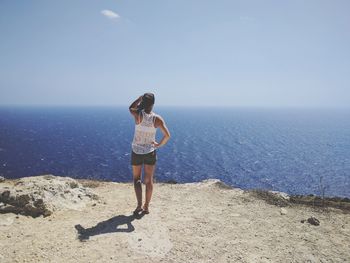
(194, 222)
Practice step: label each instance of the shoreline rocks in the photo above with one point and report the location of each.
(42, 195)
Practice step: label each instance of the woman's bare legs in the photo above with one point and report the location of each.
(137, 170)
(149, 171)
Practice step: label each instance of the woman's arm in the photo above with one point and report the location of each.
(159, 122)
(133, 108)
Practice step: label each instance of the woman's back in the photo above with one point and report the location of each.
(145, 133)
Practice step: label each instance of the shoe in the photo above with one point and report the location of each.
(137, 211)
(145, 210)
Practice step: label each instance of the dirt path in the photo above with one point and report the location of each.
(188, 223)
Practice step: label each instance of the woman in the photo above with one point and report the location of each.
(144, 146)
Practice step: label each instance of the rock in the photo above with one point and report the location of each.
(216, 183)
(10, 209)
(2, 179)
(280, 195)
(283, 211)
(5, 194)
(23, 203)
(42, 195)
(171, 181)
(272, 197)
(313, 221)
(73, 184)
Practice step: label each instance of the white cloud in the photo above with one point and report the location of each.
(110, 14)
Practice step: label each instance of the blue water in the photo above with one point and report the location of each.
(284, 150)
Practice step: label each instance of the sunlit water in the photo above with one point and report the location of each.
(284, 150)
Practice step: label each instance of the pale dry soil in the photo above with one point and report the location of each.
(199, 222)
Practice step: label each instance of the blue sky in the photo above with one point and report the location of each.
(188, 52)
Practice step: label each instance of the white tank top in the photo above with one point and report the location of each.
(145, 134)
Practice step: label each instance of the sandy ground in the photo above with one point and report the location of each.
(198, 222)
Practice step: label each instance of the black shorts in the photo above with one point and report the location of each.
(148, 158)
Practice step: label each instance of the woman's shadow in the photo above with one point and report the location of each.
(109, 226)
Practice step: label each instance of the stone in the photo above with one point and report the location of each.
(2, 179)
(283, 211)
(281, 195)
(313, 221)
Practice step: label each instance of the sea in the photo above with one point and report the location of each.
(297, 151)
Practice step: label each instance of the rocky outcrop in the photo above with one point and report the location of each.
(215, 183)
(272, 197)
(42, 195)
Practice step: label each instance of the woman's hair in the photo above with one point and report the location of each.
(148, 100)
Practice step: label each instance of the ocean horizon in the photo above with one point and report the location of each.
(297, 151)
